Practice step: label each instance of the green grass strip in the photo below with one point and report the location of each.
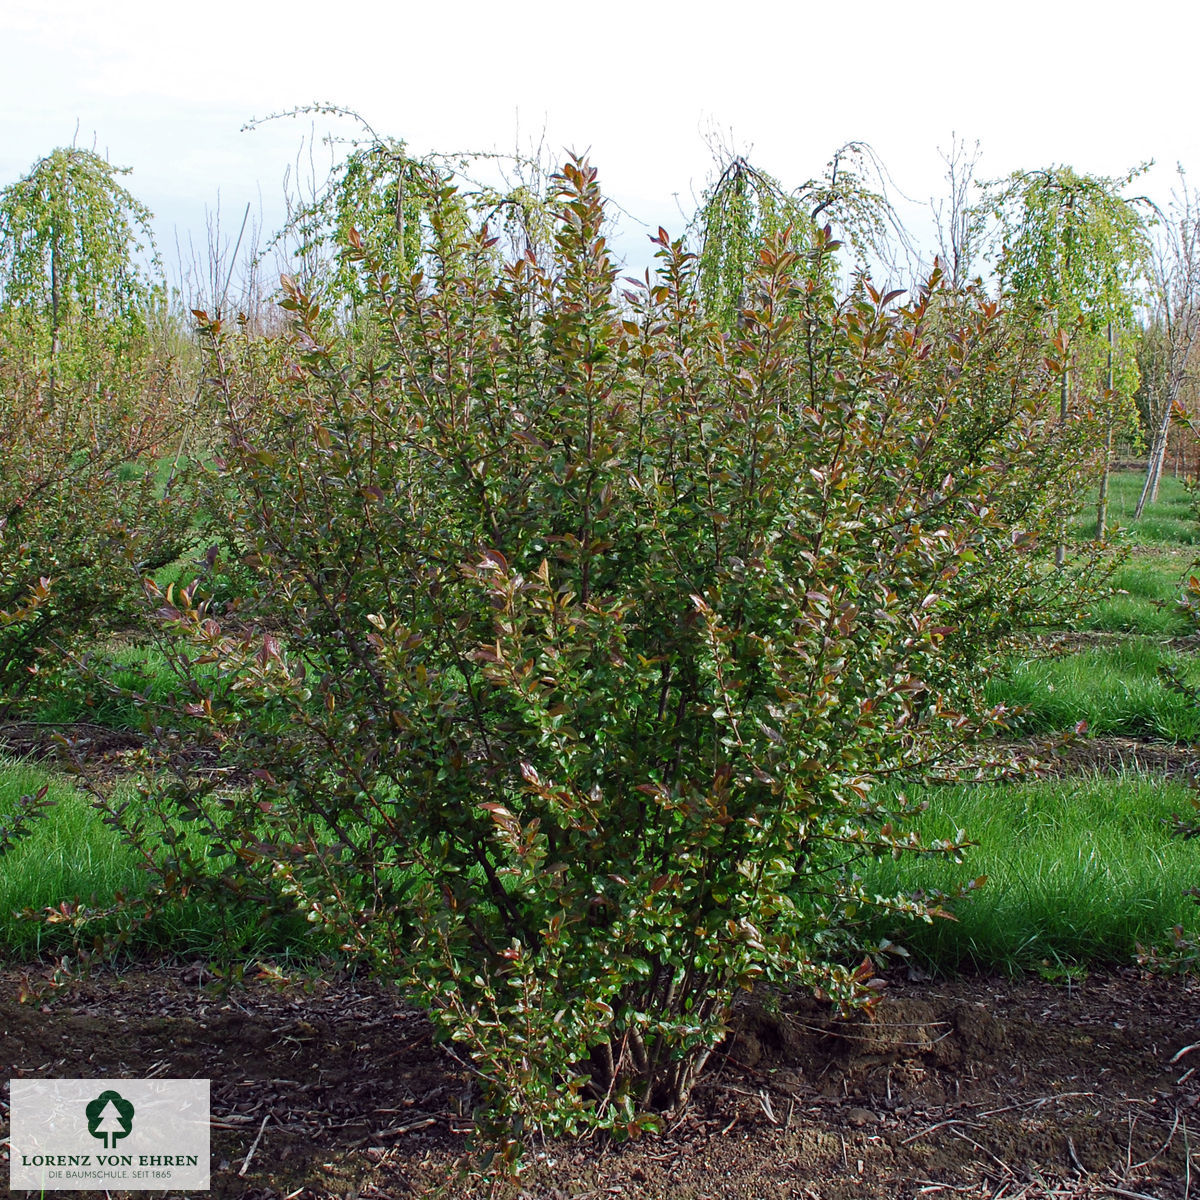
(1169, 521)
(73, 856)
(1115, 689)
(1080, 870)
(1147, 587)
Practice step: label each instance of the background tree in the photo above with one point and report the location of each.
(88, 390)
(78, 269)
(745, 207)
(1071, 249)
(1172, 324)
(958, 217)
(406, 211)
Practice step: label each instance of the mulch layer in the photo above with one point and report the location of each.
(977, 1088)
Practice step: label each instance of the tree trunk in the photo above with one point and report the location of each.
(54, 331)
(1060, 551)
(1158, 453)
(1102, 504)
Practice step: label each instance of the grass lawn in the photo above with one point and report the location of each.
(1116, 689)
(1079, 870)
(1147, 589)
(136, 670)
(75, 856)
(1170, 521)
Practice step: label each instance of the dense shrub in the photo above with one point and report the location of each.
(89, 394)
(582, 629)
(80, 519)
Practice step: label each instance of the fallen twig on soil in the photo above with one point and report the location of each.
(940, 1125)
(411, 1127)
(1170, 1138)
(253, 1146)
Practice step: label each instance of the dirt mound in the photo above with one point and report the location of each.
(975, 1088)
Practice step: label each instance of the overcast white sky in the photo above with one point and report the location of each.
(166, 87)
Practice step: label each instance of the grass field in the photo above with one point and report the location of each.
(74, 856)
(1145, 600)
(133, 671)
(1115, 689)
(1170, 521)
(1078, 870)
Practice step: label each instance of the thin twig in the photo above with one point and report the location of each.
(939, 1125)
(1038, 1103)
(1075, 1157)
(1170, 1139)
(1187, 1162)
(253, 1146)
(411, 1127)
(984, 1150)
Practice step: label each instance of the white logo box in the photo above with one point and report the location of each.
(94, 1134)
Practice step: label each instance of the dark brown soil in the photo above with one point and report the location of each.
(109, 752)
(1111, 756)
(1050, 645)
(35, 739)
(971, 1088)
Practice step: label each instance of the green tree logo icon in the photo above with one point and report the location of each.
(109, 1116)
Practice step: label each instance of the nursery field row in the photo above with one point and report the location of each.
(1080, 868)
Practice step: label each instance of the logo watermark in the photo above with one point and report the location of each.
(110, 1116)
(91, 1134)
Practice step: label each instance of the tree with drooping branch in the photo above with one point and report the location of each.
(1071, 249)
(88, 386)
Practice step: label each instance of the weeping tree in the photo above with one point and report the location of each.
(404, 210)
(79, 277)
(389, 199)
(1172, 325)
(1071, 249)
(88, 387)
(745, 206)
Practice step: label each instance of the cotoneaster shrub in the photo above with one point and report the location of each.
(582, 629)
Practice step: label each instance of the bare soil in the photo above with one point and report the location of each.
(47, 740)
(1107, 755)
(984, 1088)
(110, 753)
